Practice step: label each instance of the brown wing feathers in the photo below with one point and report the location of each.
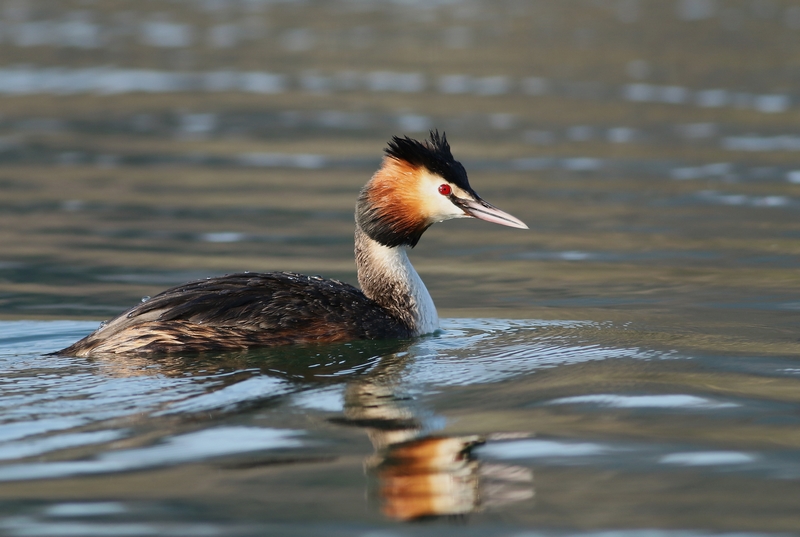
(242, 310)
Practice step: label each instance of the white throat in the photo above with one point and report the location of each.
(387, 277)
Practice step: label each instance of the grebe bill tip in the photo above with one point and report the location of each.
(482, 210)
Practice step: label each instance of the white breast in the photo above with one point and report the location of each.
(393, 264)
(427, 318)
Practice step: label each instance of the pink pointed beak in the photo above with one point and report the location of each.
(478, 208)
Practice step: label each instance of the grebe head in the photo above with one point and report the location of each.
(417, 185)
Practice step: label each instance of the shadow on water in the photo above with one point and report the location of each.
(300, 364)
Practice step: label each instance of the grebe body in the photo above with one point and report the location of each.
(417, 185)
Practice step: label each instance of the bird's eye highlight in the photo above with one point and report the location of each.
(445, 190)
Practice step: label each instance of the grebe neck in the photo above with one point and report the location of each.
(387, 277)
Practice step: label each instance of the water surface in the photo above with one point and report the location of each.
(513, 424)
(628, 366)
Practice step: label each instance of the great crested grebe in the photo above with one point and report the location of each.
(418, 184)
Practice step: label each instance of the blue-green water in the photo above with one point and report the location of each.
(528, 424)
(629, 366)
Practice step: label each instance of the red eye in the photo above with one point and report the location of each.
(445, 190)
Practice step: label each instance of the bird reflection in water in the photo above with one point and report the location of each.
(414, 473)
(417, 475)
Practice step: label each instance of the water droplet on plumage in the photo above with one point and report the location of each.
(145, 298)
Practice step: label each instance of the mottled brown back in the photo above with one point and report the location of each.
(241, 311)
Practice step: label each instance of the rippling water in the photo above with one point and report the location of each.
(513, 423)
(628, 366)
(647, 380)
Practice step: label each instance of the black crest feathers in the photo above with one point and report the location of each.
(434, 154)
(389, 223)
